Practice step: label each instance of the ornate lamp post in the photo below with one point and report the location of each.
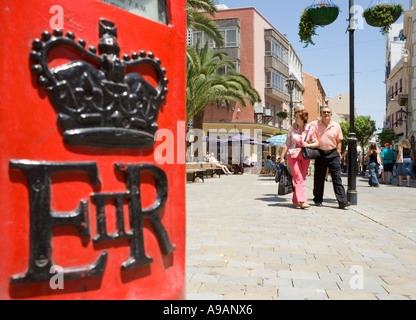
(403, 115)
(290, 84)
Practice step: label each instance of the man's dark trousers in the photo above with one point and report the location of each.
(332, 161)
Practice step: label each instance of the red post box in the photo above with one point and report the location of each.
(89, 210)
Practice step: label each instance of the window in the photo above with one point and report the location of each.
(400, 86)
(276, 80)
(226, 69)
(202, 37)
(230, 35)
(276, 50)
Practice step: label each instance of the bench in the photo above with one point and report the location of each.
(201, 170)
(192, 174)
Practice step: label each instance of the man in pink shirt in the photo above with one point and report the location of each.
(330, 140)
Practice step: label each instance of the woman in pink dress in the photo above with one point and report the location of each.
(293, 149)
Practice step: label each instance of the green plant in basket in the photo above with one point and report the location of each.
(306, 29)
(320, 14)
(383, 16)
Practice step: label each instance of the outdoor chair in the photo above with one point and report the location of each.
(269, 167)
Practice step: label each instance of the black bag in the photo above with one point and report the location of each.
(285, 182)
(310, 153)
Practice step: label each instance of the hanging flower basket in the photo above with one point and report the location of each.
(323, 14)
(314, 16)
(383, 16)
(306, 29)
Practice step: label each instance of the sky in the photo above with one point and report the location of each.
(328, 59)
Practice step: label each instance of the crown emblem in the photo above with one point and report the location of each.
(102, 100)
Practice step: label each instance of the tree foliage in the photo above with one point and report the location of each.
(204, 86)
(387, 135)
(196, 20)
(364, 130)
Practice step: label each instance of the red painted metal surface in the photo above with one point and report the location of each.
(30, 131)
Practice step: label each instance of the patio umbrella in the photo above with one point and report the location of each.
(244, 139)
(208, 139)
(237, 138)
(278, 140)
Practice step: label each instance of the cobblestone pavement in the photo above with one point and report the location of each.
(246, 242)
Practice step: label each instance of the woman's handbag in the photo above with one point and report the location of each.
(309, 153)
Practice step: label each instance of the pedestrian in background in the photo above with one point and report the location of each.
(330, 141)
(299, 135)
(372, 156)
(388, 158)
(405, 162)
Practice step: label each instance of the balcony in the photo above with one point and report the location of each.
(274, 93)
(233, 53)
(262, 115)
(402, 99)
(271, 62)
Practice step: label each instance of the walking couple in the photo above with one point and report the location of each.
(325, 135)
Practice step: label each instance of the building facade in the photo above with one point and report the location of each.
(409, 31)
(265, 56)
(314, 96)
(396, 81)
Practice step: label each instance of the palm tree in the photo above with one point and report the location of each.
(204, 86)
(198, 21)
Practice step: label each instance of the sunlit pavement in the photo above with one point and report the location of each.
(246, 242)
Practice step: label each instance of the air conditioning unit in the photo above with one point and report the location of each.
(268, 112)
(259, 110)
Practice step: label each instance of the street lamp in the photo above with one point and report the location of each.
(352, 139)
(403, 115)
(290, 84)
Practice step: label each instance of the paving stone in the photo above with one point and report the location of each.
(301, 294)
(297, 275)
(204, 296)
(229, 271)
(384, 296)
(315, 284)
(239, 280)
(221, 288)
(350, 295)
